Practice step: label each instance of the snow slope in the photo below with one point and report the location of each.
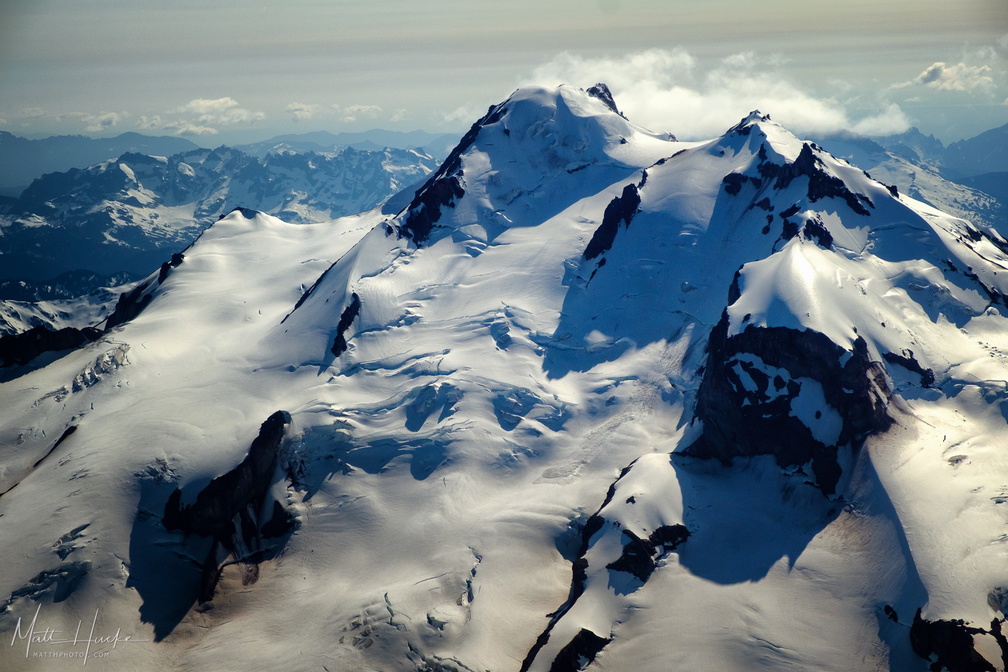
(592, 395)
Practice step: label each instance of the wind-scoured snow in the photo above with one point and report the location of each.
(486, 459)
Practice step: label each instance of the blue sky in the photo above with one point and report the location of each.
(232, 71)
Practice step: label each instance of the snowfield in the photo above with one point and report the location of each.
(592, 399)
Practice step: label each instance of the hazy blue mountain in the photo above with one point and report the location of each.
(22, 160)
(914, 146)
(437, 145)
(985, 153)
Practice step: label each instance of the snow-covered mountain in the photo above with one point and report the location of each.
(22, 160)
(592, 399)
(131, 213)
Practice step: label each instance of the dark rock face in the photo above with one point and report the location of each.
(820, 184)
(602, 92)
(242, 493)
(620, 210)
(425, 209)
(640, 555)
(816, 231)
(910, 363)
(19, 349)
(665, 537)
(733, 183)
(950, 645)
(132, 303)
(441, 189)
(579, 652)
(346, 319)
(64, 579)
(739, 421)
(176, 261)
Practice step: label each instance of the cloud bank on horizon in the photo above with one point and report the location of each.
(663, 90)
(689, 68)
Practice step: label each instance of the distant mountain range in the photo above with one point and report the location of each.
(130, 213)
(980, 162)
(437, 145)
(22, 160)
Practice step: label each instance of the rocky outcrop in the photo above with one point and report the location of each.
(20, 349)
(579, 652)
(640, 556)
(579, 577)
(620, 210)
(910, 363)
(63, 580)
(749, 395)
(349, 314)
(820, 183)
(425, 209)
(950, 645)
(132, 303)
(441, 190)
(239, 495)
(602, 92)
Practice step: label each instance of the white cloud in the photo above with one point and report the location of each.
(352, 113)
(190, 129)
(890, 121)
(464, 114)
(103, 121)
(203, 116)
(659, 67)
(32, 113)
(155, 123)
(146, 122)
(958, 77)
(301, 111)
(93, 123)
(399, 115)
(663, 90)
(220, 111)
